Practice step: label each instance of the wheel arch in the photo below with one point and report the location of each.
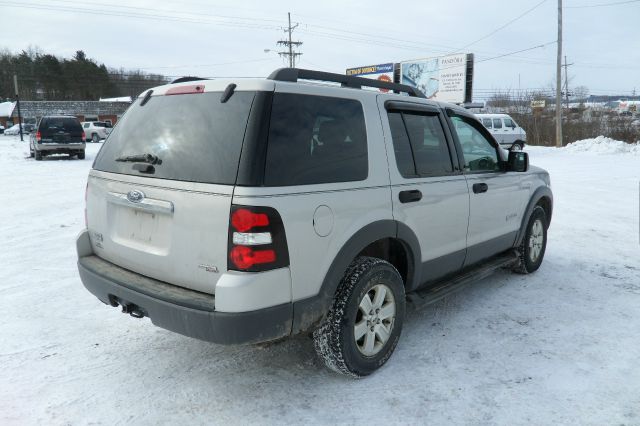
(375, 239)
(541, 197)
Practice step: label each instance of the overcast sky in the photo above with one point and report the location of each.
(198, 37)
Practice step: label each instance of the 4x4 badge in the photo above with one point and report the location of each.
(209, 268)
(135, 196)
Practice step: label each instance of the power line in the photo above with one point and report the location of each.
(588, 6)
(134, 15)
(503, 26)
(349, 35)
(155, 10)
(518, 51)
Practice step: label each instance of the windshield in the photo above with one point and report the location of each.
(195, 136)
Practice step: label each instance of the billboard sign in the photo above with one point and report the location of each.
(382, 72)
(539, 104)
(444, 78)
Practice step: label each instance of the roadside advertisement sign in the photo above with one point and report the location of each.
(382, 72)
(444, 78)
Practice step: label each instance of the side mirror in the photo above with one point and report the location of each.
(518, 161)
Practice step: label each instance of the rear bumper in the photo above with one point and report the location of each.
(177, 309)
(60, 147)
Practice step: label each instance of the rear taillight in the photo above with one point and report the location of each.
(257, 241)
(38, 136)
(84, 136)
(244, 219)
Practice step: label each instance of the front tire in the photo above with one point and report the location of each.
(534, 243)
(517, 146)
(363, 326)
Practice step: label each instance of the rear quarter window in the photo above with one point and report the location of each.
(315, 139)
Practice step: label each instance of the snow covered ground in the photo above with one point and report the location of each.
(560, 346)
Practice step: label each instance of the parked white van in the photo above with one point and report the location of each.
(505, 130)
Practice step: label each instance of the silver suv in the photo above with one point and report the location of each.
(249, 211)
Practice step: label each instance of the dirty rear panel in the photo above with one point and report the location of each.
(176, 233)
(159, 197)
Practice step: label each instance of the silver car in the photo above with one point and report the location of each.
(251, 210)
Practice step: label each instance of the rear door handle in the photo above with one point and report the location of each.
(410, 196)
(479, 188)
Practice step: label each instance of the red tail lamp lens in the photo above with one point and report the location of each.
(244, 257)
(84, 136)
(243, 220)
(38, 136)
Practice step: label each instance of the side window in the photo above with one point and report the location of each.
(429, 144)
(402, 146)
(419, 144)
(487, 123)
(479, 153)
(497, 123)
(509, 123)
(86, 125)
(315, 139)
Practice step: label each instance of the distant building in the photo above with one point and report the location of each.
(6, 111)
(32, 111)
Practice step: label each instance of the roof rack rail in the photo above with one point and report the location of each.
(186, 79)
(295, 74)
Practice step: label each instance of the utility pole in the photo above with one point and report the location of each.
(289, 44)
(559, 80)
(566, 81)
(15, 84)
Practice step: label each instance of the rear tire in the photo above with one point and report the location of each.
(351, 341)
(534, 243)
(38, 156)
(95, 138)
(81, 155)
(517, 146)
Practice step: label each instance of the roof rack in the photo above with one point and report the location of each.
(295, 74)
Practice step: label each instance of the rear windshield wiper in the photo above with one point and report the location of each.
(140, 158)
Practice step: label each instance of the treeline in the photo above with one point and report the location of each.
(43, 76)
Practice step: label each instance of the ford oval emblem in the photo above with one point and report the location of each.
(135, 196)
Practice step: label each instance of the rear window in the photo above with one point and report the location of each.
(315, 139)
(60, 124)
(197, 137)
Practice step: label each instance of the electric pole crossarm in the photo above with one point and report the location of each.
(289, 44)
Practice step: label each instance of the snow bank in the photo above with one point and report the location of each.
(603, 145)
